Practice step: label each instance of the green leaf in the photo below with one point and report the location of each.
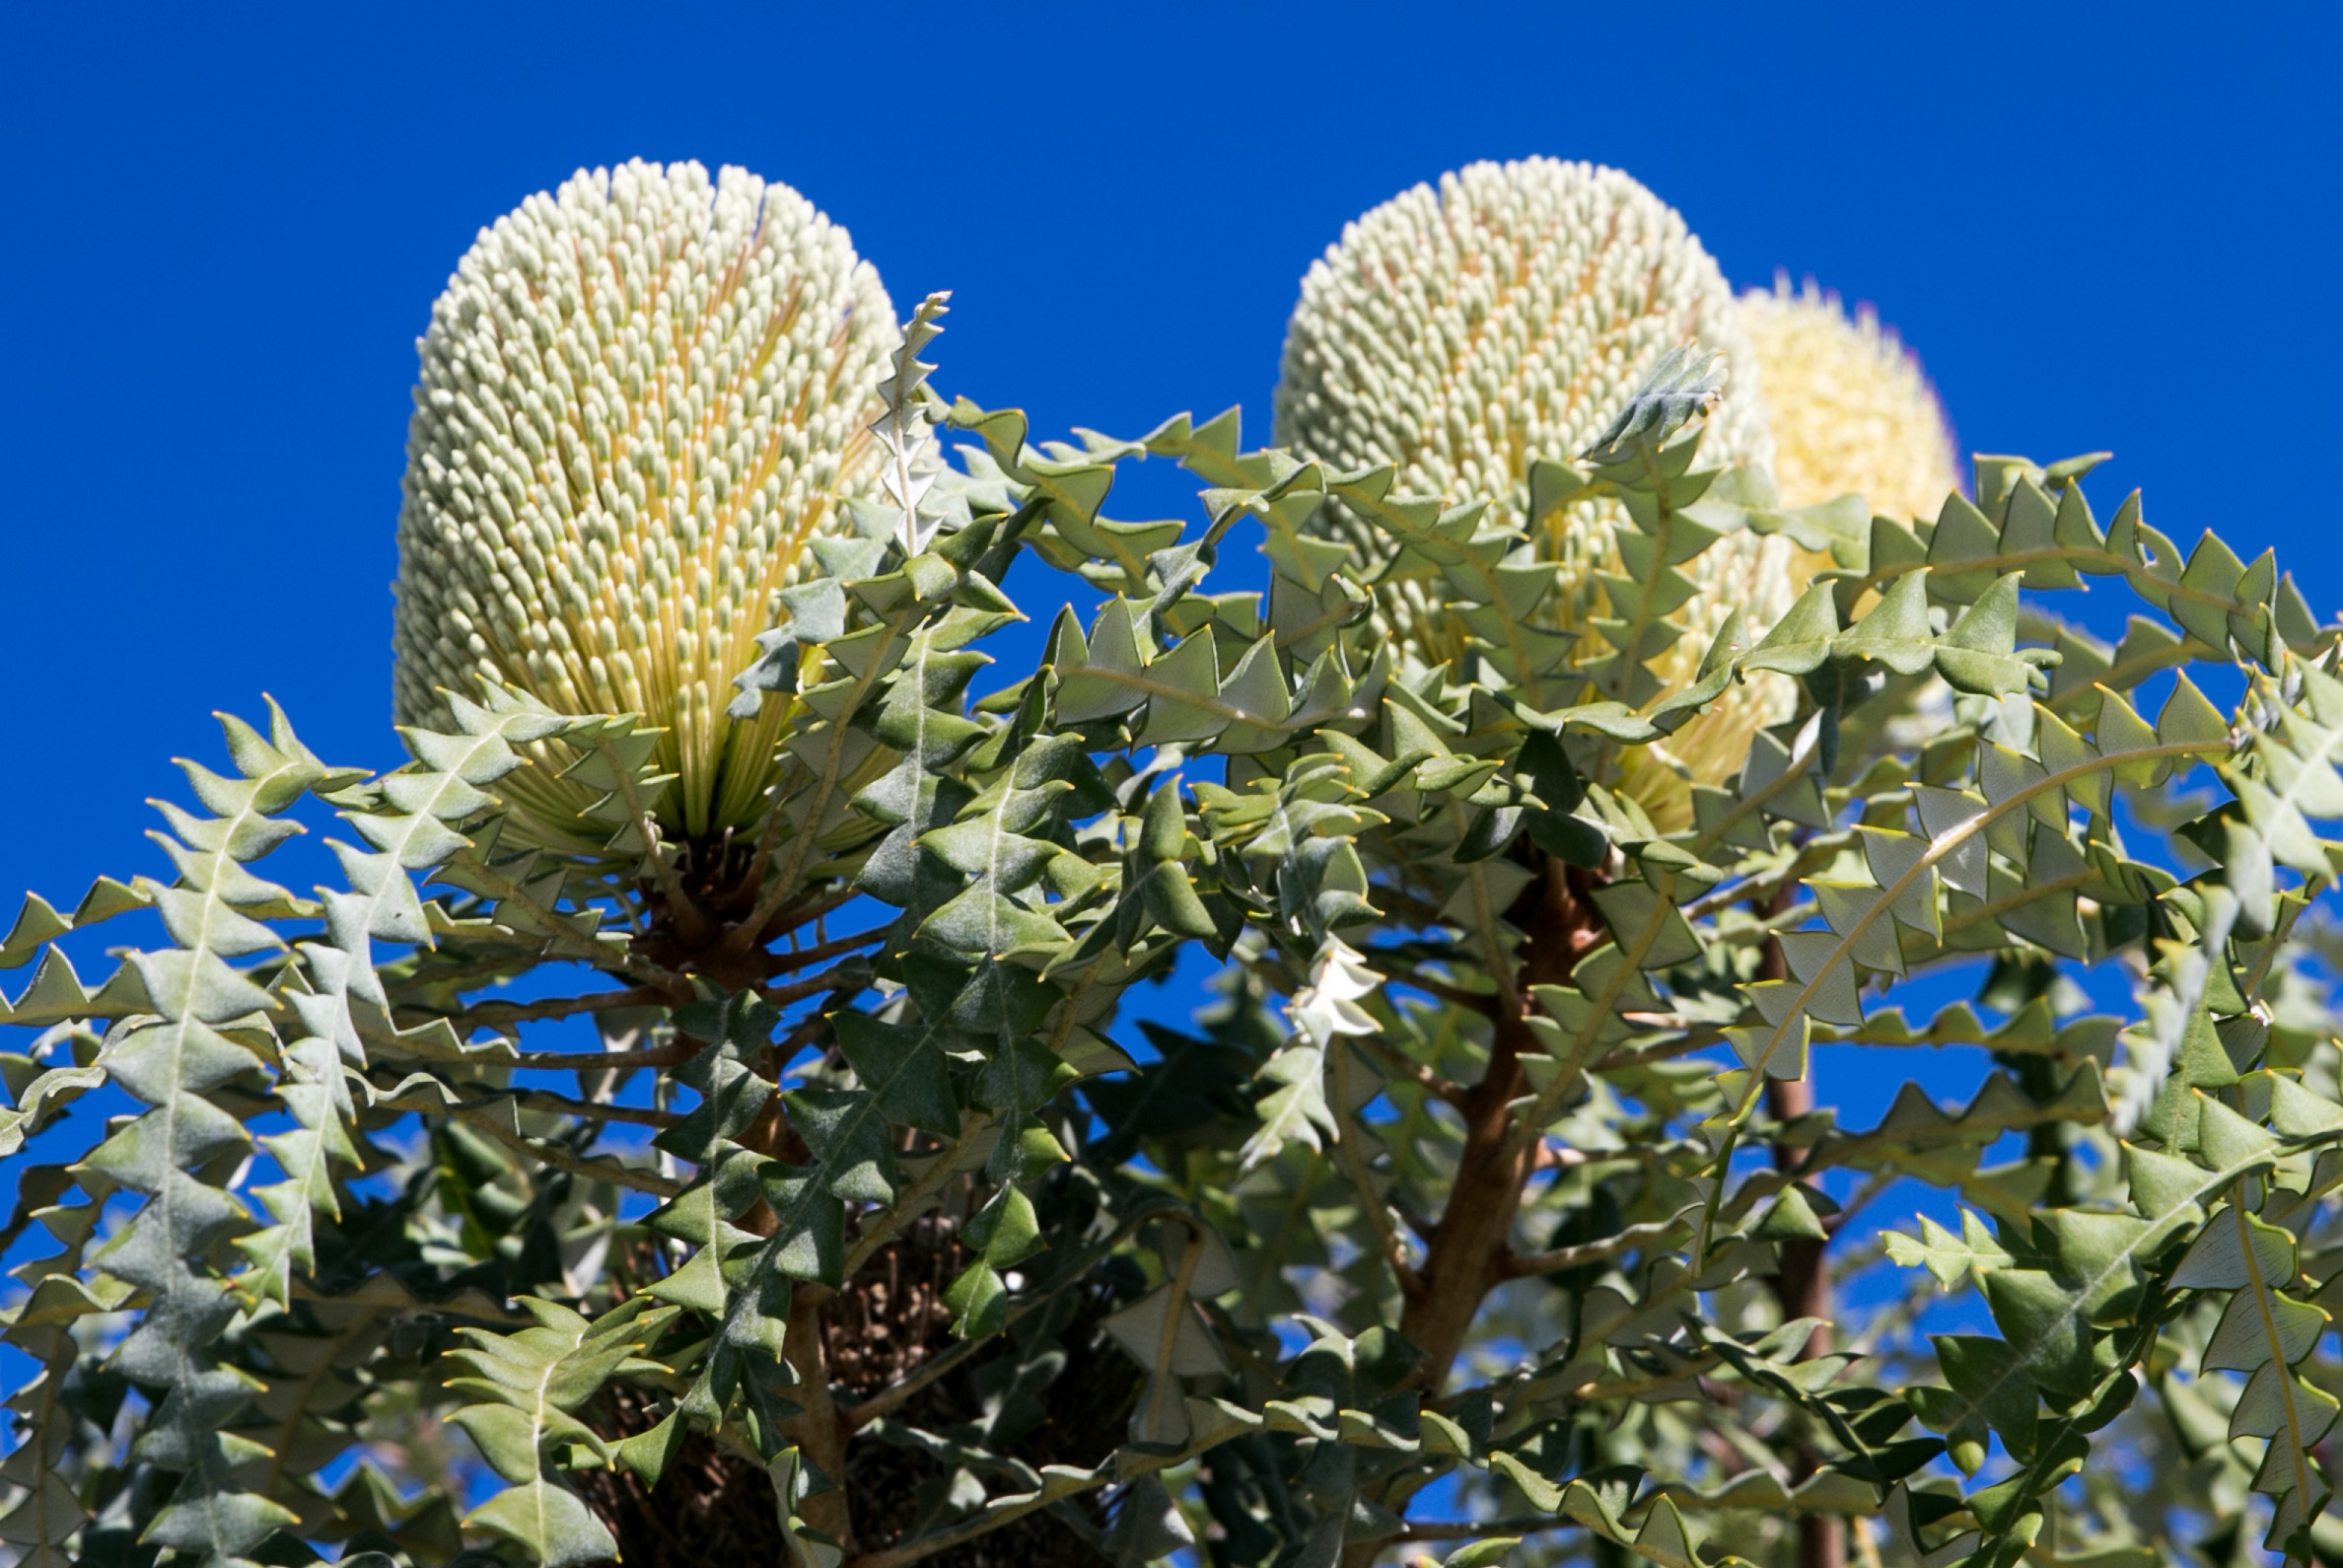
(1800, 640)
(1791, 1218)
(1978, 653)
(904, 1067)
(843, 1129)
(1481, 1553)
(1894, 632)
(1681, 384)
(525, 1388)
(551, 1522)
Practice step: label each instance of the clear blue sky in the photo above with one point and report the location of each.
(2102, 227)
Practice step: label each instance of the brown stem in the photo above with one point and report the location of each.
(1468, 1250)
(1466, 1253)
(696, 905)
(1665, 1050)
(798, 991)
(808, 910)
(805, 958)
(1801, 1284)
(1462, 1254)
(1481, 1002)
(820, 1431)
(760, 859)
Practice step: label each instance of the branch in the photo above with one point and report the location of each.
(1485, 1003)
(596, 1110)
(804, 958)
(1408, 1067)
(1125, 1465)
(1658, 1051)
(812, 1029)
(1556, 1157)
(1520, 1266)
(813, 909)
(834, 979)
(383, 1289)
(1813, 853)
(1460, 1530)
(913, 1202)
(1860, 1199)
(495, 1015)
(596, 1061)
(601, 1169)
(691, 917)
(1937, 850)
(1378, 1213)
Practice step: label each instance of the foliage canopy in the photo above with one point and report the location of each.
(1489, 1205)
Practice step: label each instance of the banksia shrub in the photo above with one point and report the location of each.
(1462, 333)
(1851, 409)
(697, 1123)
(642, 398)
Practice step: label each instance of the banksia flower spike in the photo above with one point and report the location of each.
(1464, 332)
(1851, 409)
(641, 399)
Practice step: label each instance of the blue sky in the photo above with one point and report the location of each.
(2101, 227)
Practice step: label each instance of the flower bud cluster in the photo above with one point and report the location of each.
(1850, 407)
(1463, 333)
(641, 396)
(1460, 332)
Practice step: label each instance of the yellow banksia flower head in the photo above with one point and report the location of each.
(1462, 332)
(641, 398)
(1851, 409)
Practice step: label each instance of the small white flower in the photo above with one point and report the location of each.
(1328, 1005)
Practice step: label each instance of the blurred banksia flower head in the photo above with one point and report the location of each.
(1463, 333)
(1850, 407)
(641, 398)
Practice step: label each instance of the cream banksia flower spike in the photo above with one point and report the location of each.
(641, 399)
(1462, 333)
(1851, 409)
